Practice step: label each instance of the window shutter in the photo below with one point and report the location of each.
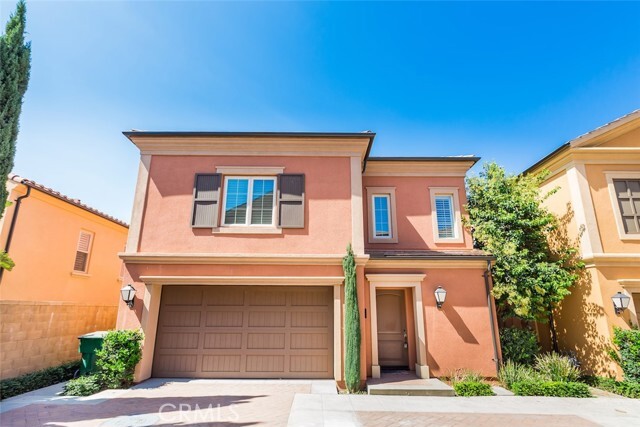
(291, 200)
(82, 252)
(206, 196)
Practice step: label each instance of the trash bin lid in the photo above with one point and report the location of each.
(94, 335)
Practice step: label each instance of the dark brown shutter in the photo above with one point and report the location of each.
(291, 200)
(206, 196)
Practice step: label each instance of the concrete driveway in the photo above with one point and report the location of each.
(301, 403)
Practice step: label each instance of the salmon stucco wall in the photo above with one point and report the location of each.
(413, 211)
(166, 226)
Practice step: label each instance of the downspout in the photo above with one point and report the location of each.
(491, 318)
(13, 224)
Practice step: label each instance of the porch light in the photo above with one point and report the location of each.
(441, 295)
(620, 302)
(128, 293)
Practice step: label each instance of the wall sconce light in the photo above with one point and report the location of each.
(620, 302)
(128, 294)
(441, 295)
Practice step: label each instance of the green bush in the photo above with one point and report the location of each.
(117, 359)
(519, 345)
(624, 388)
(83, 386)
(551, 388)
(555, 367)
(39, 379)
(511, 372)
(472, 388)
(628, 343)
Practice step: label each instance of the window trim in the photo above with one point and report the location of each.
(387, 197)
(89, 251)
(458, 235)
(247, 226)
(617, 214)
(389, 192)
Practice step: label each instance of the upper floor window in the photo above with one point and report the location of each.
(628, 195)
(446, 216)
(382, 215)
(249, 201)
(624, 190)
(81, 262)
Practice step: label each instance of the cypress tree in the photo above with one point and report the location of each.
(351, 324)
(15, 63)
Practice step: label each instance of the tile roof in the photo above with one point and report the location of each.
(60, 196)
(430, 254)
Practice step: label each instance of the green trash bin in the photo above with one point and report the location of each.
(89, 343)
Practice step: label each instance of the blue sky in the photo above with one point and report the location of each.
(509, 81)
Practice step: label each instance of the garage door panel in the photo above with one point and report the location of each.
(245, 331)
(222, 341)
(224, 319)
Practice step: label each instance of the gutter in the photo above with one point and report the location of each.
(487, 274)
(13, 224)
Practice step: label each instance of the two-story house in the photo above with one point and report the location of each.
(597, 177)
(65, 281)
(235, 251)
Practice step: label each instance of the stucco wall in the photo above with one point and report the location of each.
(44, 248)
(166, 226)
(37, 335)
(413, 208)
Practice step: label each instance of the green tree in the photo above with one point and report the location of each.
(531, 276)
(15, 61)
(15, 64)
(351, 324)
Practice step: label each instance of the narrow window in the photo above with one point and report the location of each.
(249, 201)
(444, 215)
(81, 262)
(381, 221)
(628, 195)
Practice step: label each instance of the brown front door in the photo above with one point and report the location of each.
(392, 329)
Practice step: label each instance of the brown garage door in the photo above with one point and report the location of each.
(245, 332)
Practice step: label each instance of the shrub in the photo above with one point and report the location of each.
(555, 367)
(39, 379)
(351, 323)
(624, 388)
(550, 388)
(519, 345)
(472, 388)
(83, 386)
(116, 360)
(628, 343)
(465, 375)
(511, 372)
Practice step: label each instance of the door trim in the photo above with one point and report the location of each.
(413, 281)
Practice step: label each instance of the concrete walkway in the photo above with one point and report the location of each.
(301, 403)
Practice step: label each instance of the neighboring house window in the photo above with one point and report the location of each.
(81, 262)
(628, 196)
(249, 201)
(382, 215)
(446, 216)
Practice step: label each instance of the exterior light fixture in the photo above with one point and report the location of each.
(441, 295)
(620, 302)
(128, 294)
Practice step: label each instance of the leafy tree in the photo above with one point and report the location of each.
(351, 324)
(507, 218)
(15, 63)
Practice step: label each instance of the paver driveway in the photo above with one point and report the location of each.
(165, 402)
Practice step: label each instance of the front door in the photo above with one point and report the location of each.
(392, 329)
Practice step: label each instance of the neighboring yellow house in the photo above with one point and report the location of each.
(598, 198)
(66, 279)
